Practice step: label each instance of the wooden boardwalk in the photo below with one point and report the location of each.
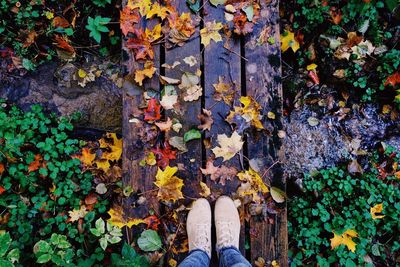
(251, 65)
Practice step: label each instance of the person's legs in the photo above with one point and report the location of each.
(196, 258)
(231, 257)
(227, 226)
(198, 228)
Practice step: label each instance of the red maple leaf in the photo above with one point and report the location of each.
(128, 18)
(152, 112)
(164, 155)
(140, 45)
(393, 79)
(152, 222)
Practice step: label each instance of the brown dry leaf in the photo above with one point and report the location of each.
(75, 215)
(36, 163)
(60, 22)
(181, 28)
(224, 91)
(221, 174)
(147, 71)
(30, 38)
(164, 126)
(190, 83)
(206, 120)
(167, 80)
(169, 185)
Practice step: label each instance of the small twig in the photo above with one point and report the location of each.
(233, 52)
(270, 167)
(149, 191)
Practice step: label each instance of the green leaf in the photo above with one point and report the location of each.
(191, 135)
(217, 2)
(249, 10)
(103, 243)
(13, 255)
(375, 250)
(41, 247)
(194, 5)
(44, 258)
(100, 225)
(149, 240)
(350, 263)
(5, 241)
(4, 263)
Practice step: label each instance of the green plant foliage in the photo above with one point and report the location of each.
(129, 257)
(111, 236)
(101, 3)
(96, 26)
(149, 240)
(41, 184)
(8, 254)
(335, 201)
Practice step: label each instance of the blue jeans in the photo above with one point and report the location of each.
(228, 257)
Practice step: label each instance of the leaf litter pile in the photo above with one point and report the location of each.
(164, 140)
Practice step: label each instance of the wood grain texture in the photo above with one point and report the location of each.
(221, 62)
(188, 110)
(263, 83)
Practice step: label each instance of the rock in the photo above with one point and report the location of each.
(100, 102)
(335, 139)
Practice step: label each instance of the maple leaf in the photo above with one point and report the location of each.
(221, 173)
(62, 42)
(375, 210)
(142, 5)
(229, 146)
(154, 34)
(164, 155)
(223, 91)
(114, 148)
(170, 186)
(210, 32)
(164, 126)
(141, 46)
(128, 19)
(117, 218)
(254, 179)
(152, 112)
(147, 71)
(181, 27)
(190, 83)
(103, 164)
(249, 113)
(158, 10)
(75, 215)
(288, 41)
(168, 101)
(344, 239)
(206, 120)
(393, 79)
(87, 157)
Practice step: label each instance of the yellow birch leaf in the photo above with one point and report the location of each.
(344, 239)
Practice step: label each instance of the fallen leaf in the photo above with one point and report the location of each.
(164, 155)
(103, 164)
(36, 163)
(113, 147)
(224, 91)
(375, 210)
(393, 79)
(288, 41)
(75, 215)
(178, 143)
(169, 97)
(217, 2)
(87, 157)
(181, 28)
(210, 32)
(170, 186)
(248, 113)
(206, 120)
(344, 239)
(143, 6)
(118, 219)
(147, 71)
(191, 60)
(152, 112)
(158, 10)
(277, 194)
(190, 83)
(128, 19)
(254, 179)
(229, 146)
(205, 190)
(167, 80)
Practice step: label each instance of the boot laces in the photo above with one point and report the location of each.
(202, 238)
(226, 237)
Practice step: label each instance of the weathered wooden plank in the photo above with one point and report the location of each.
(186, 113)
(134, 146)
(226, 63)
(263, 83)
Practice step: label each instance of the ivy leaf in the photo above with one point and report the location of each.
(169, 185)
(149, 240)
(191, 135)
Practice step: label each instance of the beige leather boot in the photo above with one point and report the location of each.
(198, 226)
(227, 223)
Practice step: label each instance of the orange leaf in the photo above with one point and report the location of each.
(60, 22)
(393, 79)
(152, 112)
(147, 71)
(35, 165)
(1, 168)
(87, 157)
(63, 43)
(140, 45)
(164, 155)
(2, 190)
(128, 18)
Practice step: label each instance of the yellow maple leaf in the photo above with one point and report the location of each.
(158, 10)
(154, 34)
(75, 215)
(250, 112)
(147, 71)
(169, 186)
(87, 157)
(103, 164)
(344, 239)
(378, 208)
(113, 148)
(288, 41)
(142, 5)
(117, 218)
(229, 146)
(254, 179)
(223, 91)
(210, 31)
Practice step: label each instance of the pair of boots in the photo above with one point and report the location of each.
(227, 225)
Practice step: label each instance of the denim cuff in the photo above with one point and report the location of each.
(219, 251)
(205, 253)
